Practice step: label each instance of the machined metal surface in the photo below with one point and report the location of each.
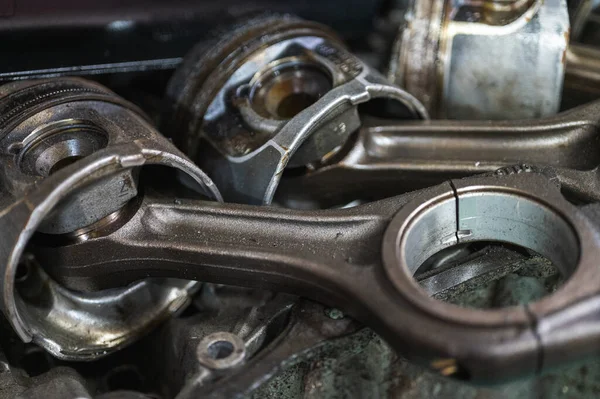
(391, 158)
(71, 149)
(362, 260)
(244, 95)
(470, 247)
(308, 331)
(485, 60)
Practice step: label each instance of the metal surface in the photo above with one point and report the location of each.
(357, 260)
(307, 332)
(363, 365)
(484, 60)
(135, 36)
(360, 364)
(95, 180)
(389, 158)
(254, 319)
(244, 95)
(258, 318)
(114, 254)
(221, 350)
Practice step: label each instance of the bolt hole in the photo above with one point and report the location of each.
(36, 361)
(59, 144)
(288, 87)
(220, 350)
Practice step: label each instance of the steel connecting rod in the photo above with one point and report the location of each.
(389, 158)
(72, 154)
(362, 260)
(279, 109)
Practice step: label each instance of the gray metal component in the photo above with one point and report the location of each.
(504, 217)
(44, 149)
(358, 261)
(485, 60)
(254, 177)
(354, 364)
(276, 92)
(141, 371)
(295, 251)
(221, 351)
(76, 325)
(392, 158)
(363, 365)
(385, 160)
(308, 332)
(252, 318)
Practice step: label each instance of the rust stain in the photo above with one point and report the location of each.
(284, 161)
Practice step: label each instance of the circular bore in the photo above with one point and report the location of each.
(493, 216)
(287, 87)
(424, 228)
(59, 144)
(208, 66)
(221, 350)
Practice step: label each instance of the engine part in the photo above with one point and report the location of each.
(276, 336)
(494, 59)
(135, 36)
(392, 158)
(308, 330)
(168, 355)
(72, 151)
(361, 260)
(201, 348)
(275, 92)
(186, 342)
(256, 318)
